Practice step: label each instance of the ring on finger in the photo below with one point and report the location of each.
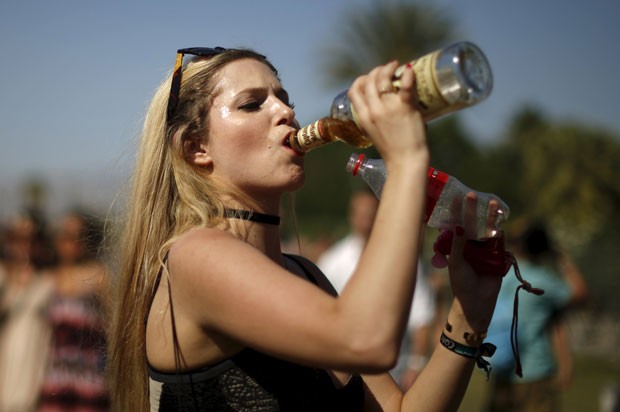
(388, 89)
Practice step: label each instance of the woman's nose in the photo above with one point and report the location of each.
(286, 113)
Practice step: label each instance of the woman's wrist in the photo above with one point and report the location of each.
(470, 345)
(464, 336)
(408, 162)
(408, 173)
(464, 329)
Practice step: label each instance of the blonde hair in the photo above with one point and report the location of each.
(169, 196)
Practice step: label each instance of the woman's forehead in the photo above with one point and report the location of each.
(243, 74)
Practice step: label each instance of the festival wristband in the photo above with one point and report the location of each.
(486, 349)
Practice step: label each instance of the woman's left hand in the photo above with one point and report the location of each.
(475, 294)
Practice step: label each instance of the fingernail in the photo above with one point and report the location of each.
(459, 231)
(409, 65)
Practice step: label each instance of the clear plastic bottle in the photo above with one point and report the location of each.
(444, 197)
(447, 80)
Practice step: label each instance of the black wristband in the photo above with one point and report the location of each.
(486, 349)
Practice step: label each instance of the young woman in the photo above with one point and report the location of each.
(210, 315)
(25, 290)
(74, 377)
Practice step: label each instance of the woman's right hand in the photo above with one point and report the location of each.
(390, 117)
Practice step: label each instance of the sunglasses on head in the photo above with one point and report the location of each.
(175, 86)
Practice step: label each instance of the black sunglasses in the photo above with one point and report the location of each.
(175, 86)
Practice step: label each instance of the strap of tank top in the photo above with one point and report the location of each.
(178, 357)
(156, 286)
(310, 274)
(307, 273)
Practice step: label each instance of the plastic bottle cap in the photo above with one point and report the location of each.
(358, 163)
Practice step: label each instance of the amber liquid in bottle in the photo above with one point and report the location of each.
(327, 130)
(447, 80)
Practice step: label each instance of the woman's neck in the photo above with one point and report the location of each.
(261, 229)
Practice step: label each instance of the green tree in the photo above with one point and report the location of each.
(452, 150)
(564, 173)
(381, 32)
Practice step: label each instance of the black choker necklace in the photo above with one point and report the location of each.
(252, 216)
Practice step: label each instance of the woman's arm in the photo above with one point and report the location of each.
(443, 382)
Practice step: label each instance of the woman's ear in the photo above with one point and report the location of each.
(196, 152)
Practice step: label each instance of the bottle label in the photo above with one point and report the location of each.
(309, 137)
(430, 100)
(435, 182)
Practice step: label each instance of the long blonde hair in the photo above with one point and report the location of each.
(168, 197)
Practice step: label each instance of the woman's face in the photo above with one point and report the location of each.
(249, 121)
(69, 239)
(21, 238)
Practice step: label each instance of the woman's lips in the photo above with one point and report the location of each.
(287, 141)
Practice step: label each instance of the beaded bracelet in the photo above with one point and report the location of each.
(486, 349)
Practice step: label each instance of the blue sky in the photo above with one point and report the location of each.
(76, 75)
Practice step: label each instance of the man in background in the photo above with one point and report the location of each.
(338, 263)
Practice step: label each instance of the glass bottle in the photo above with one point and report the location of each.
(444, 197)
(447, 80)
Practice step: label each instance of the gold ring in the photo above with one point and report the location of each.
(389, 89)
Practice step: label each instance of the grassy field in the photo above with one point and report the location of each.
(591, 375)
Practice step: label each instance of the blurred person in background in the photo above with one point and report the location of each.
(338, 263)
(419, 341)
(24, 293)
(543, 341)
(74, 379)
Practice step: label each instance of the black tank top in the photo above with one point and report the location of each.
(254, 382)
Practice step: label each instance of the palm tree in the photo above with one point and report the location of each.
(383, 31)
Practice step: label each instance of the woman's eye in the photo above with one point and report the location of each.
(251, 105)
(283, 96)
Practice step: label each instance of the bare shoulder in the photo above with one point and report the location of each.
(212, 271)
(201, 235)
(205, 254)
(203, 244)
